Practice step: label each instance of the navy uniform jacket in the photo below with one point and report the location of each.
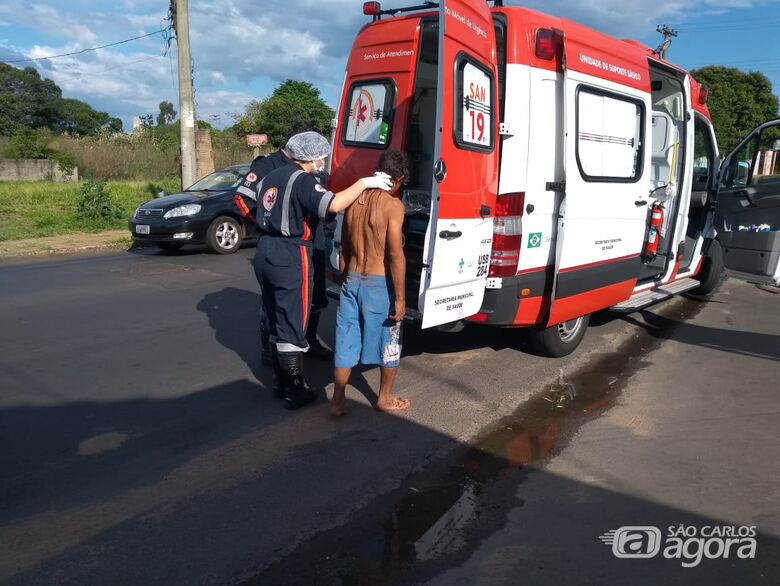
(246, 193)
(290, 204)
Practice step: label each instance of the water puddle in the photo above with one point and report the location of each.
(99, 444)
(436, 517)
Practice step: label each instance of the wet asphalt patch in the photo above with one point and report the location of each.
(437, 517)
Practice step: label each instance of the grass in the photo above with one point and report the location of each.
(37, 209)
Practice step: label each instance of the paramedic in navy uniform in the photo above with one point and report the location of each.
(246, 201)
(290, 203)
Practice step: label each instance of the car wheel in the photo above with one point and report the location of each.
(711, 272)
(224, 235)
(561, 339)
(169, 246)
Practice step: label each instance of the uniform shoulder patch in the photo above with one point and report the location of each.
(269, 198)
(251, 178)
(320, 188)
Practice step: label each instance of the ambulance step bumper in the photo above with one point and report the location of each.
(645, 298)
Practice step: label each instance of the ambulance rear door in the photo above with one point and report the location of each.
(603, 214)
(458, 240)
(747, 217)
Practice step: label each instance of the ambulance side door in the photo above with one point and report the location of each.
(458, 241)
(747, 216)
(603, 215)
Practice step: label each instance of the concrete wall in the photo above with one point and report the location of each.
(34, 170)
(203, 153)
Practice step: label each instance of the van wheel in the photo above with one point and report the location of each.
(224, 235)
(561, 339)
(711, 272)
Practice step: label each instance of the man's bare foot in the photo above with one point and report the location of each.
(338, 408)
(395, 404)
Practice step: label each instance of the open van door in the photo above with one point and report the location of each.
(747, 216)
(458, 241)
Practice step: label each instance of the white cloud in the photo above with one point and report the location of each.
(635, 18)
(49, 20)
(241, 48)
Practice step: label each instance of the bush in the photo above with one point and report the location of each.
(27, 144)
(144, 155)
(95, 202)
(65, 161)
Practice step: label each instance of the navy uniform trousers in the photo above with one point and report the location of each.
(283, 268)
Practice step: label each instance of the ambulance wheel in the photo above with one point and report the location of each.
(711, 271)
(561, 339)
(224, 235)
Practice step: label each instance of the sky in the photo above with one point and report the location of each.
(242, 49)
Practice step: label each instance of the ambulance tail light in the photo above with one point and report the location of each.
(507, 235)
(704, 93)
(547, 43)
(372, 8)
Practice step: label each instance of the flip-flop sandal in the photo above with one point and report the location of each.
(399, 404)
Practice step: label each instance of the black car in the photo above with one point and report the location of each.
(202, 214)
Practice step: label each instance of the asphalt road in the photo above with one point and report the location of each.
(141, 444)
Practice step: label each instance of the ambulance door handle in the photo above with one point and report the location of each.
(640, 202)
(450, 235)
(439, 171)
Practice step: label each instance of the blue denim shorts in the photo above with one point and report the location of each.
(365, 333)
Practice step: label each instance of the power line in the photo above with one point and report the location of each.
(94, 73)
(88, 49)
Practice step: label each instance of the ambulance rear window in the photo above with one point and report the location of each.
(368, 119)
(474, 105)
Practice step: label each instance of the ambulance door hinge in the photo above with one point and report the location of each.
(506, 129)
(558, 186)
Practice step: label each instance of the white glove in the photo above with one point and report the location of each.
(378, 181)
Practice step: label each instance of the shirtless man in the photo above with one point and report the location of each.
(372, 303)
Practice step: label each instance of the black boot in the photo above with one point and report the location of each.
(278, 387)
(265, 341)
(296, 392)
(316, 349)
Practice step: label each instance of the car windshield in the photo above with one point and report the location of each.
(217, 181)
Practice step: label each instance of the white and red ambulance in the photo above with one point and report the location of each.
(556, 171)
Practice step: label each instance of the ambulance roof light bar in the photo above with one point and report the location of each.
(375, 8)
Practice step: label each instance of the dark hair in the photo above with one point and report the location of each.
(395, 163)
(297, 128)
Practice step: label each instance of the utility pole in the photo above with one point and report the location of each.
(181, 24)
(668, 34)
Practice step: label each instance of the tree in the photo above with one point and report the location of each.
(291, 103)
(27, 100)
(28, 143)
(167, 114)
(738, 102)
(79, 118)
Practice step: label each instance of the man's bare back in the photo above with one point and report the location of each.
(365, 231)
(371, 251)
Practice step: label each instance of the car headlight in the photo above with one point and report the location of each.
(135, 213)
(189, 210)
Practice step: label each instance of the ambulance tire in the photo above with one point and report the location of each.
(224, 235)
(712, 268)
(561, 339)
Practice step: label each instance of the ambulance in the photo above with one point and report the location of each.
(556, 171)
